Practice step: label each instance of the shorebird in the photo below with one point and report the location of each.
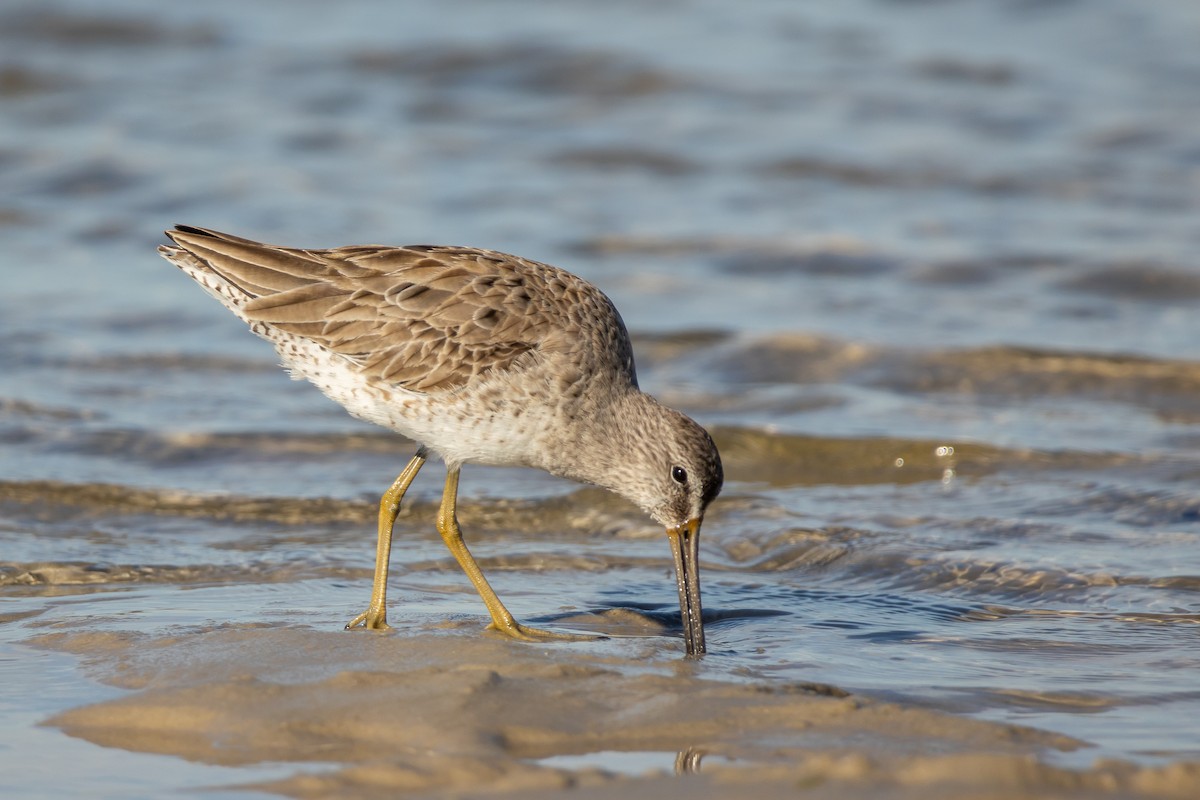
(480, 357)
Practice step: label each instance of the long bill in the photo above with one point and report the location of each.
(685, 546)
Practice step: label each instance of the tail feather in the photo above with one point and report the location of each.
(227, 293)
(256, 269)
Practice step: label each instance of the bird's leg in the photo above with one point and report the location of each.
(502, 620)
(389, 506)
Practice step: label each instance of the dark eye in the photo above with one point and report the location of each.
(679, 474)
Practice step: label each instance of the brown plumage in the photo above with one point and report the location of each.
(482, 357)
(421, 317)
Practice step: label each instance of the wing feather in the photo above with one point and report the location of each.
(424, 318)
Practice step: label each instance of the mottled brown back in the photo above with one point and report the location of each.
(425, 318)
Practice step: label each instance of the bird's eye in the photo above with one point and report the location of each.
(679, 474)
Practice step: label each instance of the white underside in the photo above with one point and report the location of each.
(445, 422)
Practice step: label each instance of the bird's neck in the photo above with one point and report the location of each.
(599, 451)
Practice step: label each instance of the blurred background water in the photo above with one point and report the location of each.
(926, 268)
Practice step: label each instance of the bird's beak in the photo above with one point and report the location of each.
(685, 546)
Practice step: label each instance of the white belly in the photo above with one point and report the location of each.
(488, 426)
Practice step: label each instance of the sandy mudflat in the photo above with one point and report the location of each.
(399, 714)
(927, 269)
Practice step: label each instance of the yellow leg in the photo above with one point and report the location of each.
(389, 506)
(502, 620)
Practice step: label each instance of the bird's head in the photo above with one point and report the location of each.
(677, 473)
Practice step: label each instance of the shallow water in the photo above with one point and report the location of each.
(926, 269)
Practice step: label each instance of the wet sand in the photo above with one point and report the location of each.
(468, 713)
(439, 706)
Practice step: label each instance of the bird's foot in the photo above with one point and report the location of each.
(525, 633)
(371, 619)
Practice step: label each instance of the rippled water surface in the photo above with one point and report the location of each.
(927, 270)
